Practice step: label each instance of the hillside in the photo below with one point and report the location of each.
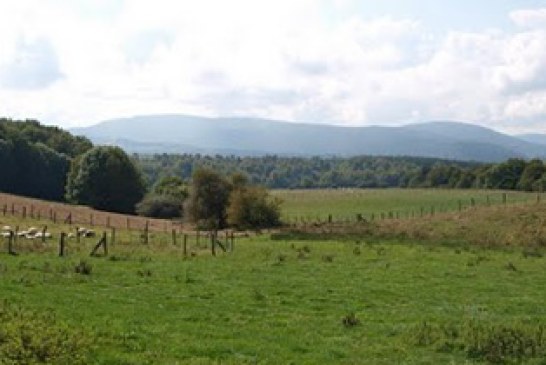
(534, 138)
(247, 136)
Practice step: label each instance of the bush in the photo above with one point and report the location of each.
(252, 207)
(29, 338)
(160, 206)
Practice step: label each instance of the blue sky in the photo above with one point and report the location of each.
(344, 62)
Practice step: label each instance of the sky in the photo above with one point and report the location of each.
(345, 62)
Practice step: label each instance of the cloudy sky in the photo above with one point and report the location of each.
(77, 62)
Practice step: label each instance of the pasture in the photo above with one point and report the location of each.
(369, 299)
(346, 203)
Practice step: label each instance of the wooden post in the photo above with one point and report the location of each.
(5, 209)
(103, 243)
(472, 202)
(146, 237)
(11, 240)
(422, 212)
(232, 242)
(460, 205)
(44, 230)
(78, 234)
(108, 222)
(432, 210)
(128, 224)
(504, 198)
(113, 235)
(39, 214)
(197, 238)
(54, 217)
(62, 244)
(24, 212)
(91, 223)
(185, 249)
(32, 211)
(212, 243)
(329, 218)
(173, 235)
(488, 202)
(12, 208)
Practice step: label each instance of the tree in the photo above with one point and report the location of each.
(208, 199)
(532, 173)
(166, 199)
(252, 207)
(105, 178)
(173, 186)
(505, 175)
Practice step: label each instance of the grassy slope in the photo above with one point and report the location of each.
(346, 203)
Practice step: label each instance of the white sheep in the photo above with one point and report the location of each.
(6, 228)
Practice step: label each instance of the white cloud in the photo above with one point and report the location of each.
(281, 59)
(529, 18)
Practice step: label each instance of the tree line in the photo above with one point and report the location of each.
(278, 172)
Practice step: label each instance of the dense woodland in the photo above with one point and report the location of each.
(35, 159)
(361, 172)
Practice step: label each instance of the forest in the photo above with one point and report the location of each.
(277, 172)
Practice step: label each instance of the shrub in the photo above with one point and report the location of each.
(160, 206)
(252, 207)
(28, 338)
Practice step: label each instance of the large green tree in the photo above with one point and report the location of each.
(208, 200)
(105, 178)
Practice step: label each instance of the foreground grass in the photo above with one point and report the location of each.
(278, 302)
(346, 203)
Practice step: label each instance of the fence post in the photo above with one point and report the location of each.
(146, 227)
(128, 224)
(32, 211)
(44, 230)
(107, 221)
(91, 223)
(24, 212)
(213, 243)
(5, 209)
(504, 198)
(11, 240)
(472, 202)
(197, 238)
(185, 248)
(232, 241)
(12, 208)
(173, 233)
(62, 244)
(113, 235)
(460, 206)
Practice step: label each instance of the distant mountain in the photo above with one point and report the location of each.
(247, 136)
(534, 138)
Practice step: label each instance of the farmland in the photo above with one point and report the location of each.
(374, 299)
(346, 203)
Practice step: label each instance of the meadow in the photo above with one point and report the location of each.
(358, 299)
(346, 203)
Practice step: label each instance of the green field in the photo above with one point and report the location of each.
(354, 301)
(346, 203)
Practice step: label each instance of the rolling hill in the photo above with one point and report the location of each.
(248, 136)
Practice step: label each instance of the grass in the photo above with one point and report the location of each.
(276, 302)
(346, 203)
(424, 294)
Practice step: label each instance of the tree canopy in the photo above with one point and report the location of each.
(105, 178)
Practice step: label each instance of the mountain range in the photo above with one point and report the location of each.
(250, 136)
